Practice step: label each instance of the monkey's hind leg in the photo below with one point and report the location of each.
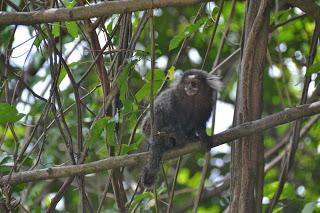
(205, 140)
(152, 168)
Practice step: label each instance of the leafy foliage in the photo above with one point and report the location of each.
(9, 113)
(53, 125)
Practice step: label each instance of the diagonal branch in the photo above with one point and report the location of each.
(239, 131)
(106, 8)
(308, 6)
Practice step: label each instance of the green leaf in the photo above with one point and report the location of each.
(183, 176)
(72, 28)
(19, 187)
(127, 106)
(158, 75)
(159, 78)
(56, 29)
(314, 68)
(140, 197)
(142, 54)
(5, 35)
(96, 130)
(194, 180)
(70, 4)
(6, 160)
(28, 162)
(288, 190)
(9, 113)
(175, 42)
(270, 188)
(145, 89)
(122, 80)
(143, 92)
(171, 72)
(62, 74)
(125, 148)
(110, 133)
(110, 25)
(5, 169)
(309, 207)
(123, 76)
(41, 36)
(280, 16)
(38, 40)
(214, 13)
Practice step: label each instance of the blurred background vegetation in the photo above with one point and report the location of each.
(26, 65)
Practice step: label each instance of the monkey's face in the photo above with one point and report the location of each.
(191, 85)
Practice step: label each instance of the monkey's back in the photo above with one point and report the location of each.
(175, 111)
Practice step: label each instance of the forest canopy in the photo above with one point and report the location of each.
(77, 78)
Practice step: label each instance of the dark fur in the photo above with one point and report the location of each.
(178, 119)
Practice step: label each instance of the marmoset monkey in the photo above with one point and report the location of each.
(180, 116)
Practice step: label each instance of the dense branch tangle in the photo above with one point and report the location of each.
(242, 130)
(106, 9)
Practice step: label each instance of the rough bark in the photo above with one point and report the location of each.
(106, 8)
(247, 153)
(242, 130)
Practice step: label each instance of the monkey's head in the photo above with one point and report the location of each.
(195, 81)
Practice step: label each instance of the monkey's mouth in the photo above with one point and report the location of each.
(191, 92)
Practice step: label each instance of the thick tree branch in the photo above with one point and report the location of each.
(106, 8)
(242, 130)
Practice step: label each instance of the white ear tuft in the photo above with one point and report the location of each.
(177, 78)
(215, 82)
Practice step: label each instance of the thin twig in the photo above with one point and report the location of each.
(225, 34)
(216, 23)
(174, 185)
(59, 195)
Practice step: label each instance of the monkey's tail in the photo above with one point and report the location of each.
(152, 168)
(148, 177)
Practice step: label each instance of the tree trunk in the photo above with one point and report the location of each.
(247, 156)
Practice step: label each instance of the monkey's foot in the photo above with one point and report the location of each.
(206, 143)
(205, 146)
